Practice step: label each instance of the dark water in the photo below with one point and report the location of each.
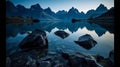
(103, 36)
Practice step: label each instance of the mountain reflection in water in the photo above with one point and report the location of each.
(104, 36)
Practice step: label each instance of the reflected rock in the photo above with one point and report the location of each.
(86, 41)
(81, 60)
(62, 34)
(35, 40)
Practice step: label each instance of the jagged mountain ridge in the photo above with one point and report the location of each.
(34, 11)
(40, 13)
(99, 10)
(109, 15)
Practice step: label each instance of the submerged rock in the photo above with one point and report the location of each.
(62, 34)
(86, 41)
(35, 40)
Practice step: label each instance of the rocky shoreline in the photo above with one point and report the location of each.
(20, 20)
(34, 53)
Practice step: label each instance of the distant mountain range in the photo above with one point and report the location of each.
(47, 14)
(107, 16)
(34, 11)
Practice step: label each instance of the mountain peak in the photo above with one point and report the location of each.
(73, 10)
(10, 4)
(101, 4)
(61, 12)
(82, 12)
(20, 6)
(48, 9)
(36, 6)
(101, 7)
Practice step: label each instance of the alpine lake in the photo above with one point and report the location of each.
(104, 36)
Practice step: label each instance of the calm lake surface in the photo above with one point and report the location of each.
(104, 38)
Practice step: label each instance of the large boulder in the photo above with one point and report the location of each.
(81, 60)
(86, 41)
(35, 40)
(62, 34)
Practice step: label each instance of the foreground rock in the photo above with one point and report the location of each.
(86, 41)
(35, 40)
(81, 60)
(31, 59)
(62, 34)
(106, 62)
(25, 59)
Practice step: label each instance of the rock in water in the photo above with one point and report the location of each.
(35, 40)
(62, 34)
(86, 41)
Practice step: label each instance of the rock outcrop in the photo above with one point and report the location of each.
(25, 59)
(86, 41)
(81, 60)
(36, 40)
(62, 34)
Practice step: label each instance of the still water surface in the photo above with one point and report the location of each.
(105, 39)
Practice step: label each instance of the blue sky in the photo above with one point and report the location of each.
(55, 5)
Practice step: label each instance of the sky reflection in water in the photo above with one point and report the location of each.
(105, 40)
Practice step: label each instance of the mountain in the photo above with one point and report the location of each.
(34, 11)
(72, 13)
(61, 14)
(36, 7)
(105, 20)
(109, 15)
(50, 12)
(99, 10)
(21, 10)
(10, 9)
